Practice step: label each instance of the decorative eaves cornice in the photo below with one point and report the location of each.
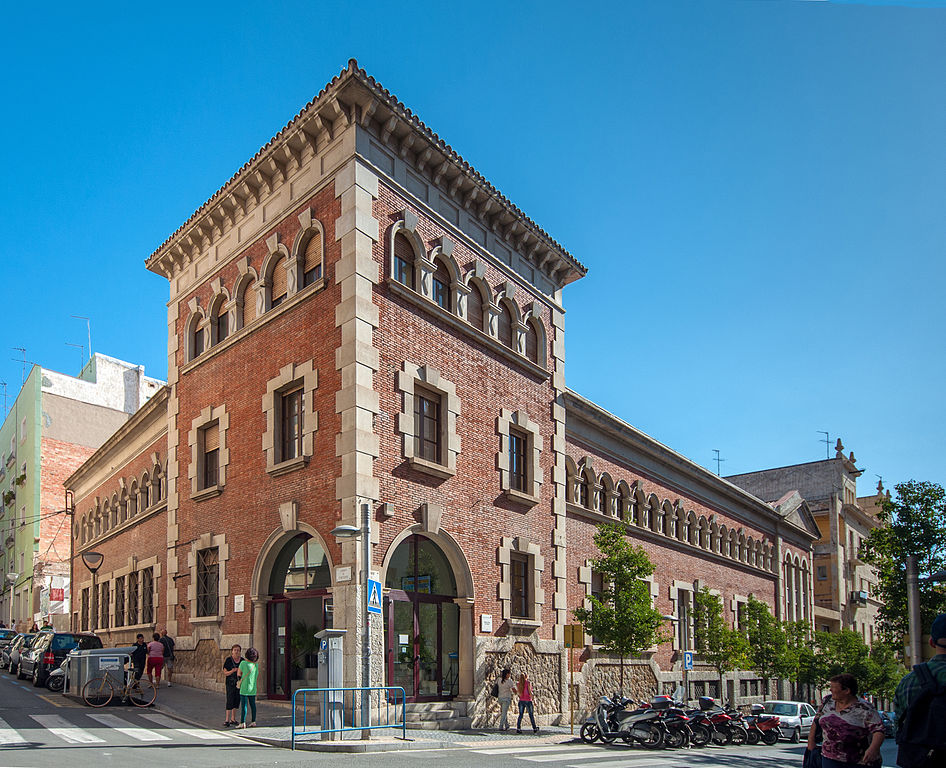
(353, 97)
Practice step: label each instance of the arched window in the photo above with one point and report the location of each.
(301, 565)
(249, 304)
(622, 504)
(312, 261)
(532, 342)
(504, 330)
(279, 287)
(220, 323)
(440, 286)
(403, 260)
(581, 497)
(157, 489)
(474, 307)
(196, 337)
(133, 501)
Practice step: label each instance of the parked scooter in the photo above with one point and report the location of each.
(762, 727)
(675, 722)
(611, 720)
(57, 678)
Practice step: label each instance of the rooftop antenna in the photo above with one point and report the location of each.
(88, 326)
(22, 351)
(827, 443)
(81, 348)
(718, 460)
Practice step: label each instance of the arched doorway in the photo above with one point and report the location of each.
(422, 621)
(299, 606)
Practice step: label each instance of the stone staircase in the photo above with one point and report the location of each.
(438, 716)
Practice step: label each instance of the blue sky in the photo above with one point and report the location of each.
(757, 188)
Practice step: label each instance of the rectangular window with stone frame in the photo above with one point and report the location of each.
(520, 604)
(518, 466)
(684, 619)
(209, 472)
(208, 575)
(119, 601)
(103, 604)
(290, 407)
(132, 602)
(427, 427)
(147, 596)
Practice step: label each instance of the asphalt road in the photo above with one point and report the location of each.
(40, 729)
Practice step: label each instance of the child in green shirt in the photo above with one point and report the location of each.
(246, 678)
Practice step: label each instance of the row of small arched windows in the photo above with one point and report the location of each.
(283, 275)
(630, 504)
(470, 299)
(134, 498)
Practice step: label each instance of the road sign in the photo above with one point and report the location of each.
(574, 636)
(688, 660)
(374, 596)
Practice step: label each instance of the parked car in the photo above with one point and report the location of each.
(7, 636)
(796, 717)
(48, 651)
(890, 723)
(10, 656)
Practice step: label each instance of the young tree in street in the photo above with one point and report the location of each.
(766, 638)
(717, 643)
(622, 618)
(914, 524)
(794, 658)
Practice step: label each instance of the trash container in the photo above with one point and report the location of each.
(84, 665)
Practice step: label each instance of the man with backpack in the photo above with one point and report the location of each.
(920, 702)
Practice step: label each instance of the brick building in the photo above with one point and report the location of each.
(359, 321)
(54, 425)
(843, 585)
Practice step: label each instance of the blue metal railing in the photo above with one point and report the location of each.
(342, 710)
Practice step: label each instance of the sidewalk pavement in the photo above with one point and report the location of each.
(196, 706)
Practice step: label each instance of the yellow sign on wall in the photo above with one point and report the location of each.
(574, 636)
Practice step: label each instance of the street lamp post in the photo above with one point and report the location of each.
(93, 561)
(353, 532)
(11, 580)
(913, 605)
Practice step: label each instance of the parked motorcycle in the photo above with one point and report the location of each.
(612, 720)
(762, 727)
(56, 681)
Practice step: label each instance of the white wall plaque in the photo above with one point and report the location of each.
(343, 573)
(486, 622)
(238, 604)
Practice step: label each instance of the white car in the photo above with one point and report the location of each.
(795, 717)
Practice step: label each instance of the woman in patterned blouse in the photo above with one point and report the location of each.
(853, 730)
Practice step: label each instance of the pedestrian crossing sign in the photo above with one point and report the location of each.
(374, 596)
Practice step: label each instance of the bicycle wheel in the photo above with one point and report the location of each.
(142, 694)
(97, 692)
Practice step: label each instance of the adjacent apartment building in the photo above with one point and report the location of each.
(844, 585)
(53, 425)
(362, 329)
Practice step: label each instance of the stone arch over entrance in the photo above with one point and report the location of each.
(284, 624)
(428, 605)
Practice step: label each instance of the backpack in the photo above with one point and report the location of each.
(494, 691)
(921, 737)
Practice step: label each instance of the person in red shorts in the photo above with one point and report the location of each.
(155, 658)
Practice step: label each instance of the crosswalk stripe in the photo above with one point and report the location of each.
(631, 763)
(579, 754)
(123, 726)
(195, 733)
(8, 736)
(522, 750)
(60, 727)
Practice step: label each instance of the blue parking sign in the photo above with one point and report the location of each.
(688, 660)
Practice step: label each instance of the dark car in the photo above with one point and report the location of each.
(48, 652)
(10, 656)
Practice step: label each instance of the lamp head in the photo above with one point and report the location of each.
(93, 560)
(12, 577)
(346, 531)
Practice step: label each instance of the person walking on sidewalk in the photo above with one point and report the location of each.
(139, 657)
(507, 687)
(168, 642)
(524, 692)
(155, 660)
(230, 668)
(246, 675)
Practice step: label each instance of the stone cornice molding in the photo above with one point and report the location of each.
(353, 98)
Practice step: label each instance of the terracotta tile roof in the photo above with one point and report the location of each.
(354, 73)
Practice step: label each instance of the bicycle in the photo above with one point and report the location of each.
(99, 691)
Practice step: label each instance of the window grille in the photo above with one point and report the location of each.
(147, 596)
(208, 571)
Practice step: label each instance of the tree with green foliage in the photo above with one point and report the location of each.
(721, 646)
(794, 654)
(622, 617)
(876, 668)
(767, 642)
(914, 523)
